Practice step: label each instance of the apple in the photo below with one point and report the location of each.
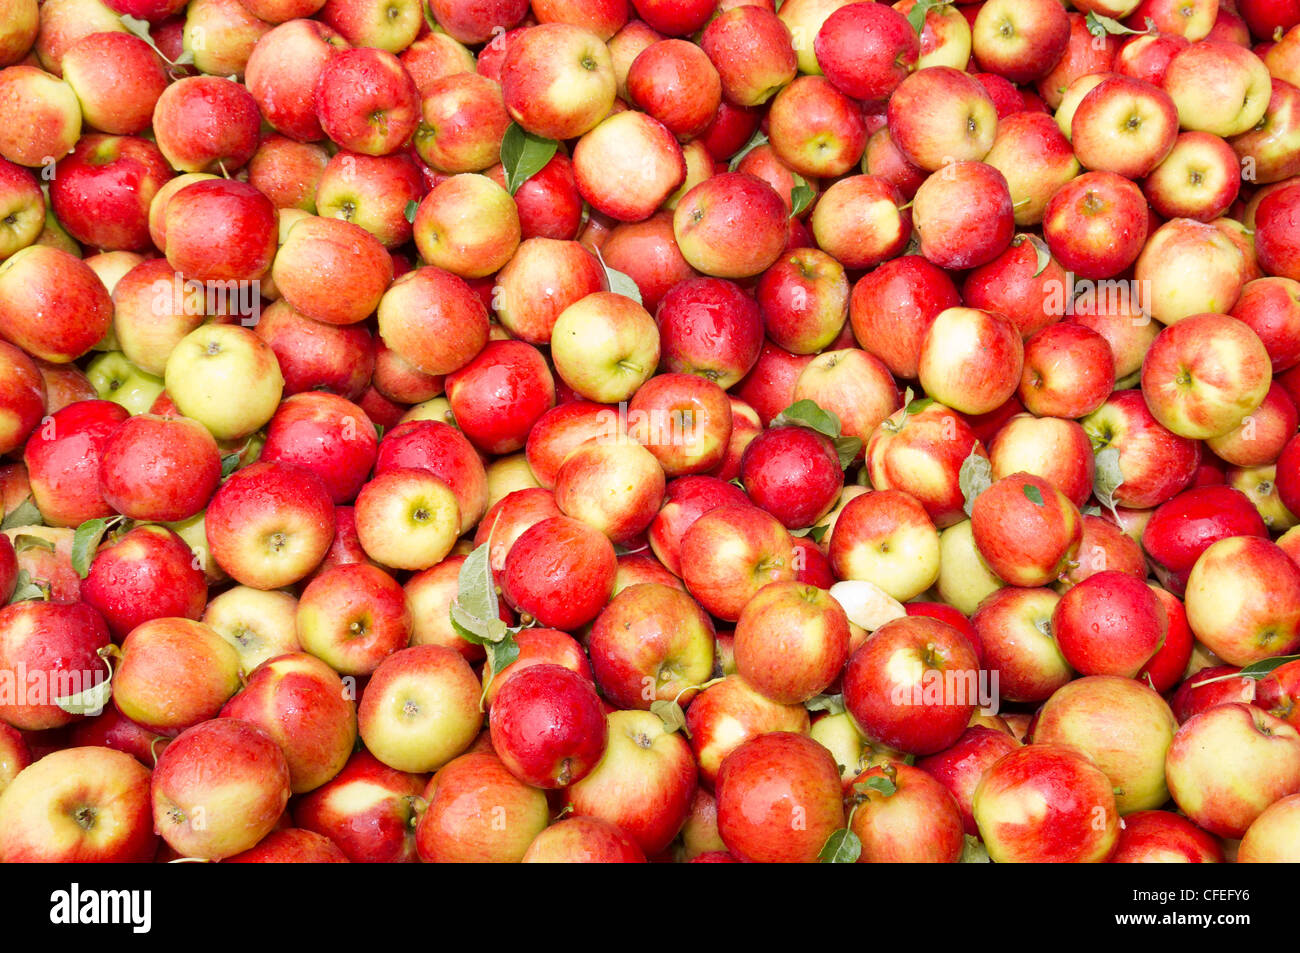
(964, 345)
(347, 253)
(543, 278)
(1271, 308)
(731, 552)
(22, 397)
(478, 812)
(859, 221)
(674, 82)
(645, 782)
(886, 537)
(1199, 179)
(1096, 225)
(420, 708)
(49, 652)
(561, 572)
(291, 845)
(791, 641)
(367, 809)
(1275, 234)
(866, 51)
(917, 821)
(779, 799)
(1154, 462)
(712, 217)
(558, 80)
(62, 456)
(211, 815)
(752, 51)
(43, 105)
(911, 686)
(366, 101)
(792, 472)
(206, 124)
(353, 616)
(78, 805)
(1218, 87)
(1195, 399)
(1164, 837)
(370, 191)
(939, 115)
(1120, 106)
(146, 573)
(1189, 268)
(435, 55)
(52, 305)
(1228, 764)
(259, 625)
(1243, 600)
(605, 346)
(1025, 529)
(1014, 626)
(174, 673)
(583, 840)
(269, 524)
(960, 767)
(548, 727)
(708, 326)
(932, 432)
(1075, 821)
(683, 420)
(1123, 726)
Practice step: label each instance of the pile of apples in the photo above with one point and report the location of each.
(671, 430)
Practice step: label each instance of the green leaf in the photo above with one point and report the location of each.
(801, 196)
(25, 589)
(1107, 477)
(1033, 494)
(815, 533)
(1266, 666)
(25, 513)
(229, 464)
(429, 21)
(502, 653)
(90, 701)
(467, 625)
(842, 847)
(847, 448)
(476, 593)
(974, 477)
(1101, 26)
(756, 140)
(524, 155)
(411, 208)
(1040, 249)
(670, 713)
(973, 852)
(879, 783)
(139, 27)
(916, 16)
(85, 542)
(831, 703)
(185, 58)
(619, 283)
(25, 541)
(806, 413)
(918, 405)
